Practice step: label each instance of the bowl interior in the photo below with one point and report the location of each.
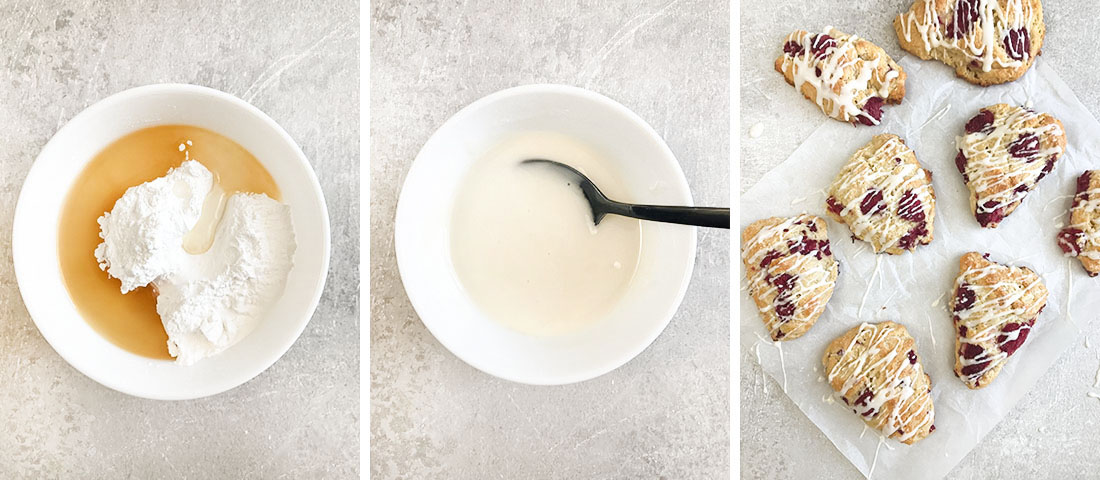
(34, 242)
(650, 173)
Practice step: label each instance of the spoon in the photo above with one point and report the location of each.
(601, 205)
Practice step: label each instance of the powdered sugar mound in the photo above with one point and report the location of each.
(216, 300)
(207, 302)
(141, 234)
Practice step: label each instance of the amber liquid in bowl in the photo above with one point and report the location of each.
(130, 321)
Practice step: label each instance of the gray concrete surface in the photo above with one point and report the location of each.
(298, 62)
(1052, 432)
(665, 414)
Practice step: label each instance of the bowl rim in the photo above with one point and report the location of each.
(680, 183)
(22, 210)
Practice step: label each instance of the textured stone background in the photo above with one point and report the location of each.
(1052, 431)
(298, 62)
(665, 414)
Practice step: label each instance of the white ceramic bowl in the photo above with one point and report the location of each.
(34, 240)
(650, 173)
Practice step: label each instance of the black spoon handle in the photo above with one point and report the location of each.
(698, 216)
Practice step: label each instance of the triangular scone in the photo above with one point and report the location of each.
(884, 196)
(1003, 154)
(875, 370)
(987, 42)
(1081, 238)
(848, 77)
(791, 272)
(994, 309)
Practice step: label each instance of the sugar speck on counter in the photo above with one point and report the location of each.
(756, 130)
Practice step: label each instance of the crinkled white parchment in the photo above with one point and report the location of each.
(913, 289)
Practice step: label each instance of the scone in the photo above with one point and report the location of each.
(1081, 238)
(884, 196)
(1003, 155)
(994, 309)
(987, 42)
(848, 77)
(875, 370)
(791, 272)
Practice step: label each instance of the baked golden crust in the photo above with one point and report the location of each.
(875, 370)
(791, 272)
(848, 77)
(1003, 154)
(955, 31)
(1081, 238)
(884, 196)
(994, 309)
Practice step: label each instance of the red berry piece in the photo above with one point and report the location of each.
(783, 282)
(1083, 182)
(1017, 43)
(960, 163)
(864, 397)
(909, 207)
(981, 122)
(872, 111)
(785, 309)
(970, 351)
(769, 257)
(1069, 240)
(792, 49)
(975, 369)
(912, 357)
(872, 202)
(987, 218)
(909, 241)
(1025, 146)
(1010, 342)
(966, 12)
(834, 206)
(964, 298)
(821, 44)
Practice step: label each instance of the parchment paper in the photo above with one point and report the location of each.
(913, 289)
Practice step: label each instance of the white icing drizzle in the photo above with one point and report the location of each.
(936, 116)
(937, 302)
(1096, 384)
(1069, 288)
(990, 312)
(986, 34)
(988, 151)
(1094, 395)
(811, 275)
(782, 363)
(830, 85)
(932, 333)
(874, 273)
(881, 347)
(878, 170)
